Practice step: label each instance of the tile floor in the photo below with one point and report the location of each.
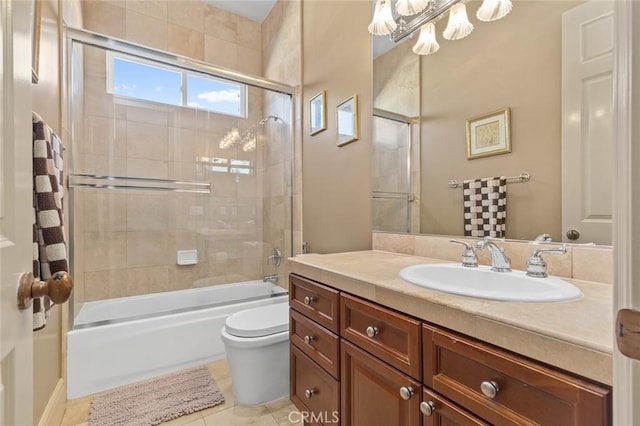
(275, 413)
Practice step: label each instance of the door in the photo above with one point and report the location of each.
(16, 213)
(374, 393)
(587, 132)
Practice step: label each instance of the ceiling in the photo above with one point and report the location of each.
(256, 10)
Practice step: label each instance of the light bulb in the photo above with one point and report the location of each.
(458, 26)
(492, 10)
(427, 43)
(410, 7)
(383, 22)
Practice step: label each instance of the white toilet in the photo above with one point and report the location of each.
(257, 344)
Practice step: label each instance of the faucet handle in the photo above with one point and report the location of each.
(469, 257)
(537, 266)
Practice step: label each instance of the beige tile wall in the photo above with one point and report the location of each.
(589, 263)
(126, 242)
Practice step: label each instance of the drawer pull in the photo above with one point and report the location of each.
(427, 407)
(308, 339)
(372, 331)
(309, 393)
(309, 300)
(489, 389)
(406, 392)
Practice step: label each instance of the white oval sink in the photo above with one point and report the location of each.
(482, 282)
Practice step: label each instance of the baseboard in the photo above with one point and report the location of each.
(54, 411)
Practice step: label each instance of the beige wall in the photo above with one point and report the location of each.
(514, 62)
(336, 180)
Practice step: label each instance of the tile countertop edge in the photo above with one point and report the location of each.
(373, 276)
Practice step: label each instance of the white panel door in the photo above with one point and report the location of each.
(16, 213)
(587, 136)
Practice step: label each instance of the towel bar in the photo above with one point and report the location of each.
(522, 177)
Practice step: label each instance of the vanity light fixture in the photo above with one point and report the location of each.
(459, 26)
(414, 15)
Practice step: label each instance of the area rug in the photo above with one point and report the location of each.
(156, 400)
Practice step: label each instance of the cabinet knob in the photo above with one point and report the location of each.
(309, 300)
(427, 407)
(406, 392)
(489, 389)
(309, 393)
(308, 339)
(372, 331)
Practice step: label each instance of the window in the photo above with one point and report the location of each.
(137, 78)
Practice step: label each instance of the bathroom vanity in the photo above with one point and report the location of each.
(381, 351)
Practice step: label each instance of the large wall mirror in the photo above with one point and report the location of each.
(550, 63)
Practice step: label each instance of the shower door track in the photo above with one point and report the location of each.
(111, 43)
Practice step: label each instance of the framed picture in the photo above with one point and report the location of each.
(489, 134)
(36, 11)
(348, 123)
(317, 113)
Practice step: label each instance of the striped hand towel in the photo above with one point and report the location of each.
(485, 202)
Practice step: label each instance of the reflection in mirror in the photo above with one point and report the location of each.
(520, 62)
(347, 116)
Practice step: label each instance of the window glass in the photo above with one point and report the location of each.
(215, 95)
(142, 81)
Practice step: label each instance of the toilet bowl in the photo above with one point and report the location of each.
(257, 345)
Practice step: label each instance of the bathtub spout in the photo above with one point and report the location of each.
(273, 278)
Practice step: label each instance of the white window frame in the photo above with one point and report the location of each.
(112, 56)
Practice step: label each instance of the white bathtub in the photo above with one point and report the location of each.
(120, 341)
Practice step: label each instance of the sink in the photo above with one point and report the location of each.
(482, 282)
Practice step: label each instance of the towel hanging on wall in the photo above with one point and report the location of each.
(485, 202)
(49, 245)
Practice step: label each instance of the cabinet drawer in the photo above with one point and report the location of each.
(372, 391)
(525, 393)
(316, 342)
(445, 412)
(316, 301)
(313, 391)
(395, 338)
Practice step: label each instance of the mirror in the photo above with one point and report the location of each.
(515, 63)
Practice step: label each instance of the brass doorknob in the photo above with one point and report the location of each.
(58, 288)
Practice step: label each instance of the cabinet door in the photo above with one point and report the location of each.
(371, 391)
(314, 392)
(438, 411)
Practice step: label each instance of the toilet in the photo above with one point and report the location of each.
(257, 345)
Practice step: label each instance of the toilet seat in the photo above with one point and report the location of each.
(258, 322)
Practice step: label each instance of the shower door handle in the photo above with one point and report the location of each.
(58, 288)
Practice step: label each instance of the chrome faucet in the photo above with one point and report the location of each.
(500, 262)
(537, 266)
(469, 258)
(273, 279)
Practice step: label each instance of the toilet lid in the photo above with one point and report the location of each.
(257, 322)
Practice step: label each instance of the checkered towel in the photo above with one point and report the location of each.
(485, 202)
(49, 246)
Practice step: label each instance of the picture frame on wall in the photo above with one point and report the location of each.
(317, 113)
(36, 12)
(489, 134)
(348, 121)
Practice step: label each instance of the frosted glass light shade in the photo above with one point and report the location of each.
(458, 26)
(427, 43)
(382, 23)
(492, 10)
(410, 7)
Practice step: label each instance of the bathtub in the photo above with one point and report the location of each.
(120, 341)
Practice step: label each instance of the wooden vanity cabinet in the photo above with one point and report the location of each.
(439, 411)
(506, 389)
